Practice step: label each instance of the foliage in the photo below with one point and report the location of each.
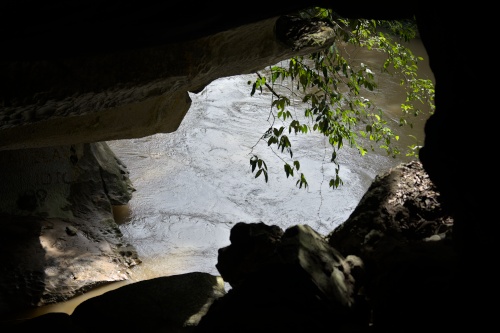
(331, 88)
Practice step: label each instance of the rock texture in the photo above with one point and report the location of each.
(58, 230)
(287, 280)
(166, 304)
(404, 236)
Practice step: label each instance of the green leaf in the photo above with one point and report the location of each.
(331, 86)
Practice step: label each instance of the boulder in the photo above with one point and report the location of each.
(284, 281)
(403, 234)
(173, 303)
(166, 304)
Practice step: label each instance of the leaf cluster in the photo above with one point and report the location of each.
(330, 88)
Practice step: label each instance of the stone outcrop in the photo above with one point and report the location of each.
(58, 230)
(140, 92)
(166, 304)
(403, 234)
(284, 281)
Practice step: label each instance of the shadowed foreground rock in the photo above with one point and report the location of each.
(404, 237)
(294, 283)
(165, 304)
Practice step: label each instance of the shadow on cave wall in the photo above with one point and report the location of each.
(20, 236)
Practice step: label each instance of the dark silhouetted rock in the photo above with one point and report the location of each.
(287, 281)
(166, 304)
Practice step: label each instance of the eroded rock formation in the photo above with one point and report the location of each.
(58, 230)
